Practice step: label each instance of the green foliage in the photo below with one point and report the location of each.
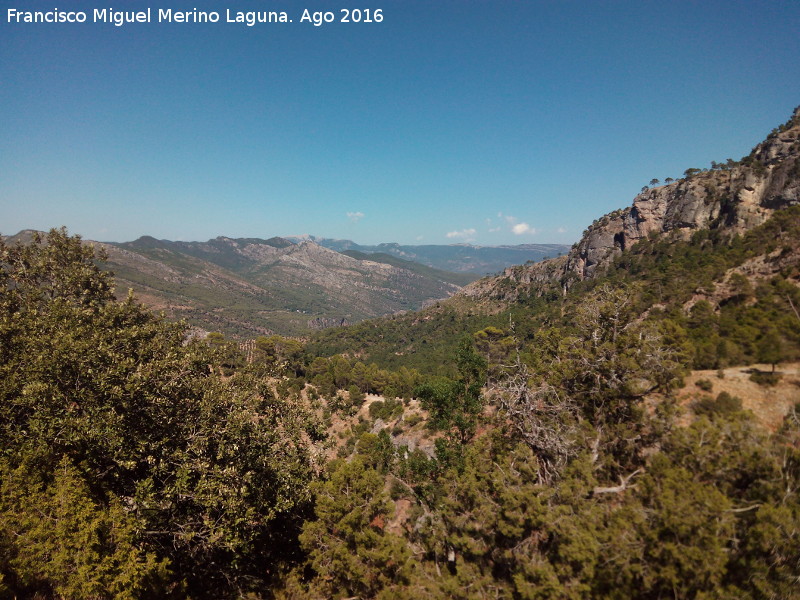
(413, 420)
(440, 397)
(610, 361)
(723, 404)
(497, 347)
(215, 470)
(281, 353)
(669, 539)
(376, 451)
(386, 410)
(425, 342)
(771, 551)
(704, 384)
(228, 358)
(355, 395)
(457, 403)
(691, 172)
(55, 539)
(348, 546)
(762, 378)
(340, 372)
(770, 348)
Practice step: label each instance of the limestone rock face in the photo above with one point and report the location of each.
(736, 198)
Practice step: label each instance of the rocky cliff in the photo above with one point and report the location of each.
(735, 196)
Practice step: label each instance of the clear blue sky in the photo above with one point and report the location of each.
(469, 118)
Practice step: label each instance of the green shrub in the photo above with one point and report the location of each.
(723, 404)
(413, 419)
(764, 378)
(357, 397)
(704, 384)
(386, 410)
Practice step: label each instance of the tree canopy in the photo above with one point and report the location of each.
(107, 406)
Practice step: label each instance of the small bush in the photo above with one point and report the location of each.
(397, 491)
(764, 378)
(347, 449)
(377, 409)
(723, 404)
(704, 384)
(413, 419)
(386, 410)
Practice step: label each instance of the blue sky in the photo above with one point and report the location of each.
(451, 121)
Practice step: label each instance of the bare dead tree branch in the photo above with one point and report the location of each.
(741, 510)
(545, 419)
(624, 484)
(796, 314)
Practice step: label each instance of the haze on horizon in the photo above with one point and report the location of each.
(449, 122)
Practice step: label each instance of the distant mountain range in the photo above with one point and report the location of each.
(460, 258)
(247, 287)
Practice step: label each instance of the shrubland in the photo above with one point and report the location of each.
(138, 464)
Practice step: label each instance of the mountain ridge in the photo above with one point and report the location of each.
(250, 286)
(733, 197)
(468, 258)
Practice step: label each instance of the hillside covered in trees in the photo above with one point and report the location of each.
(522, 441)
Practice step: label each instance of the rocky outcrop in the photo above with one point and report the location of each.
(518, 281)
(326, 323)
(737, 196)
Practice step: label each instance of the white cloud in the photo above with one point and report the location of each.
(561, 230)
(355, 217)
(521, 228)
(495, 229)
(420, 238)
(517, 227)
(464, 233)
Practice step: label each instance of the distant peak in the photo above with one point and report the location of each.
(148, 241)
(278, 242)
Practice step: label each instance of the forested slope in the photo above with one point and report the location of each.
(721, 293)
(722, 240)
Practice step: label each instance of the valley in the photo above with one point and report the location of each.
(250, 287)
